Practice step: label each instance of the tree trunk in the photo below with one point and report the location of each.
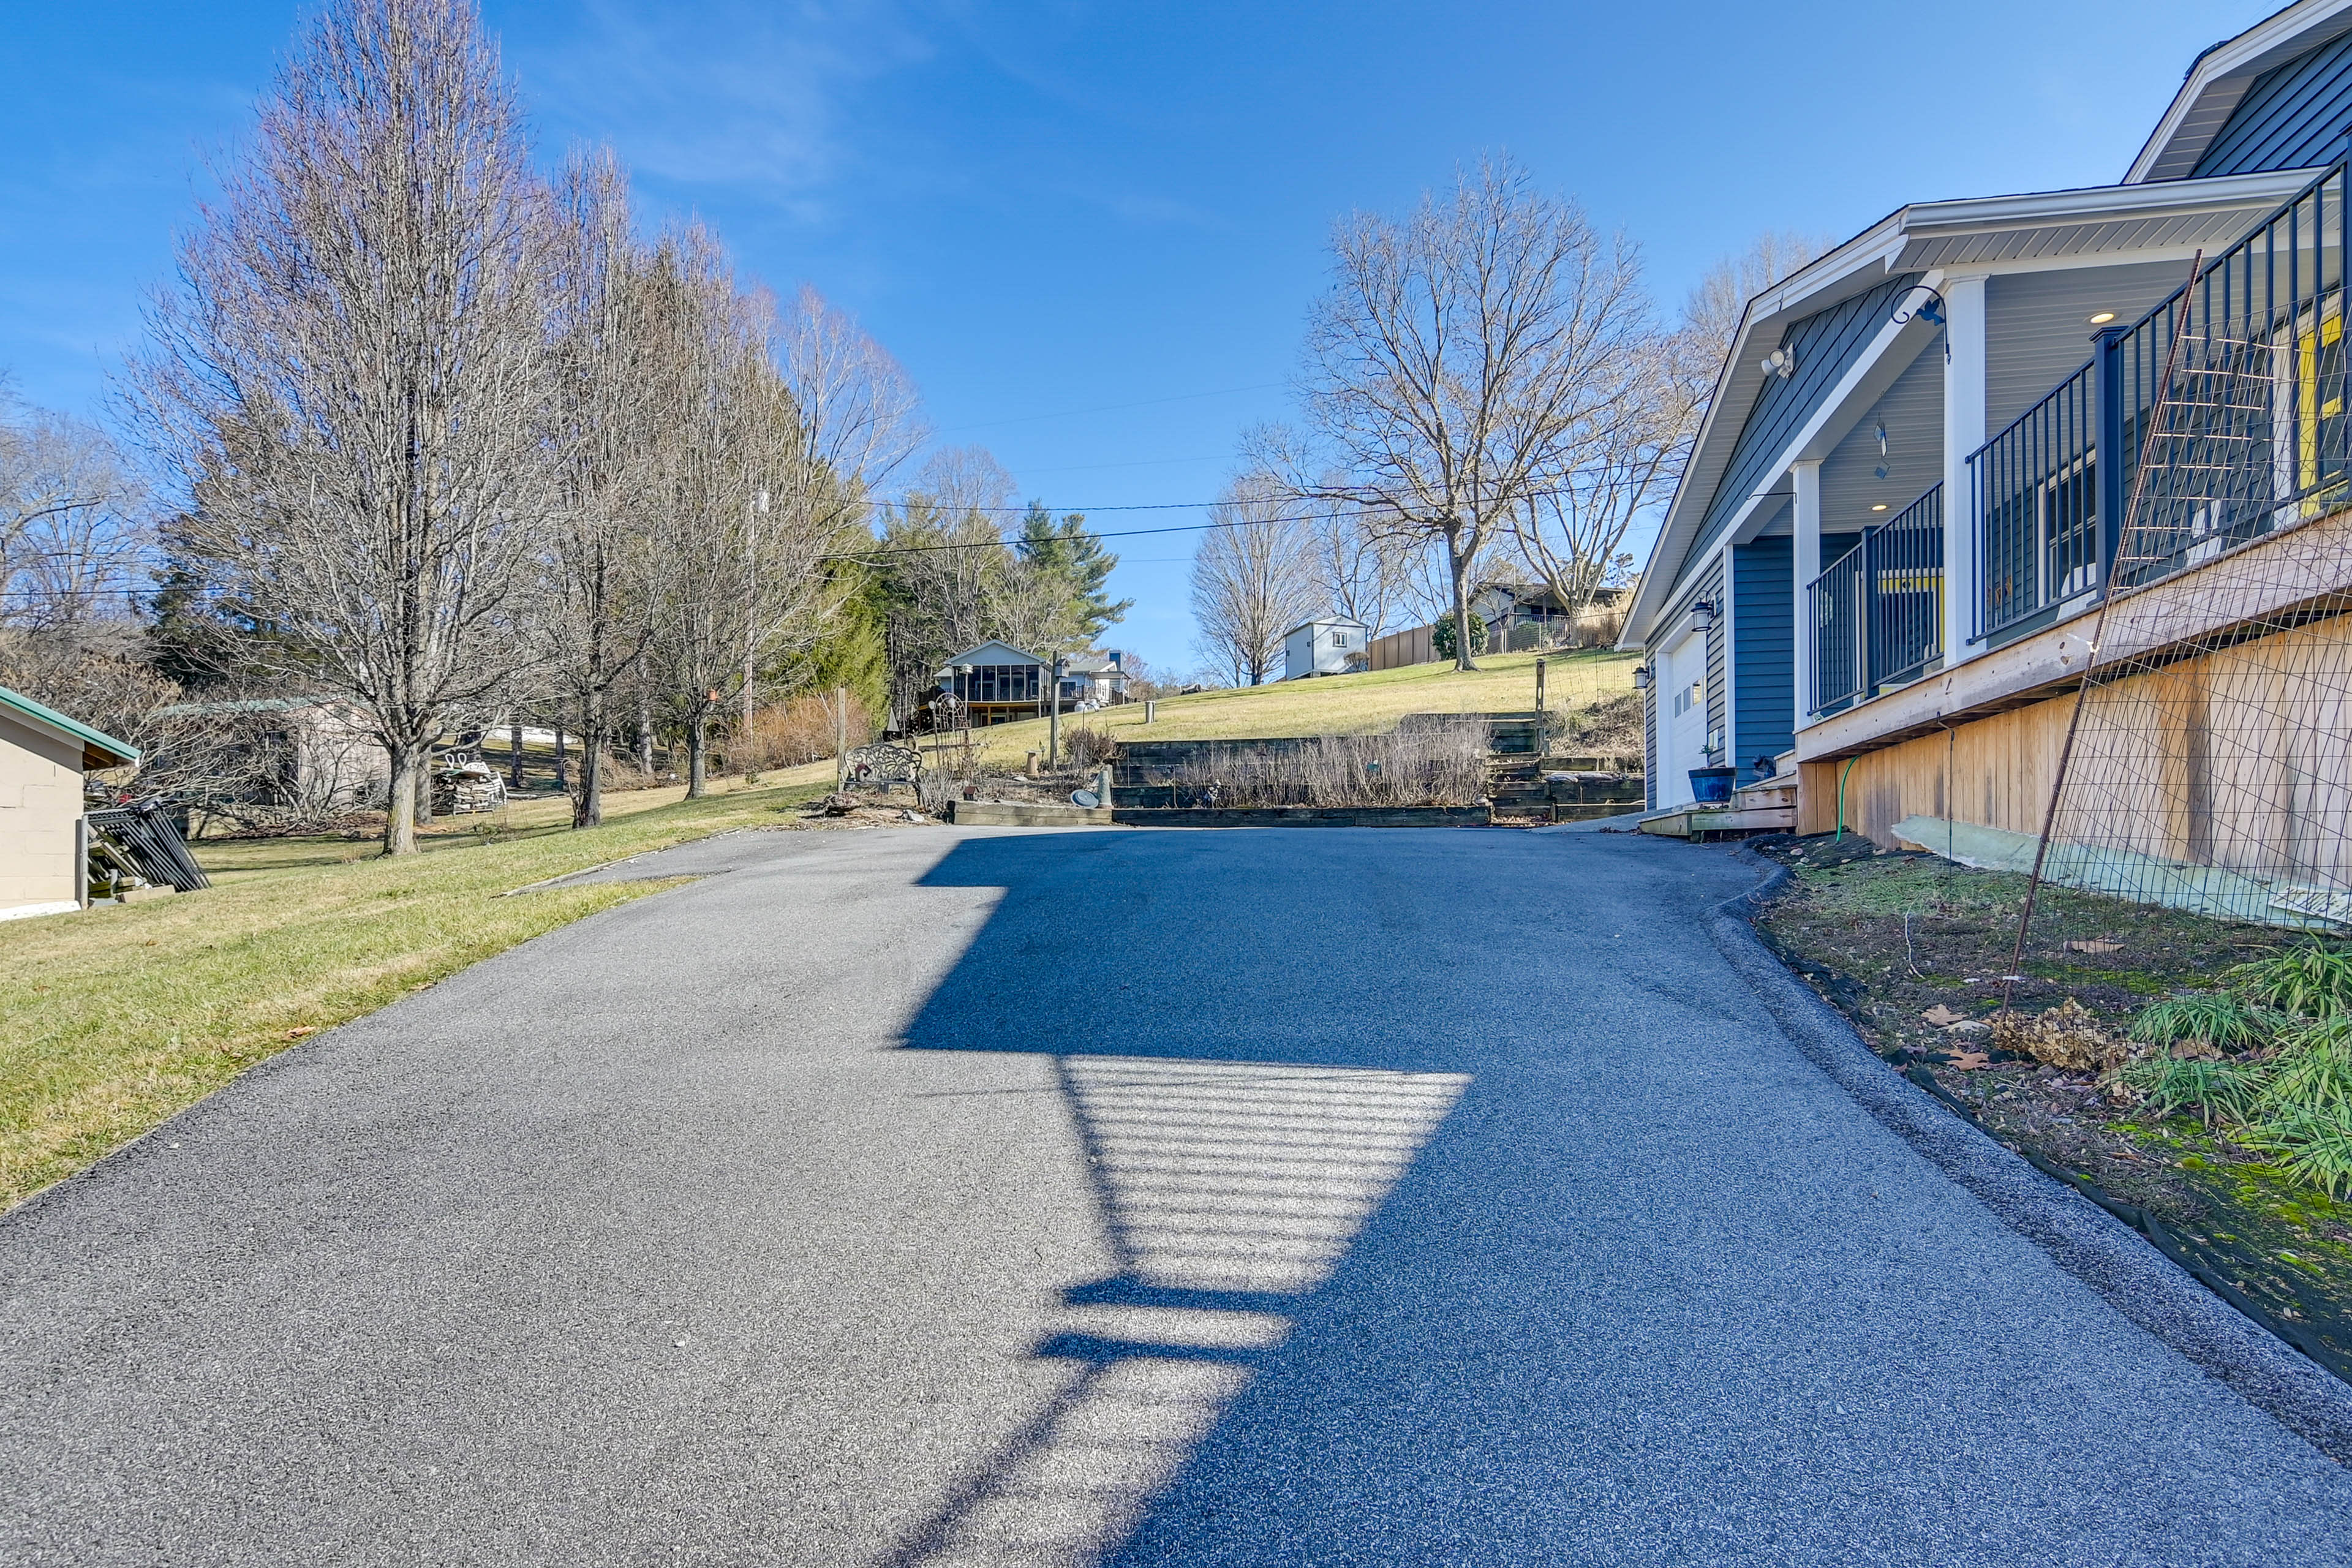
(424, 786)
(1459, 571)
(562, 775)
(399, 811)
(514, 734)
(588, 806)
(698, 751)
(645, 740)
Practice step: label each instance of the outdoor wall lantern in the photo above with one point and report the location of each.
(1641, 678)
(1703, 613)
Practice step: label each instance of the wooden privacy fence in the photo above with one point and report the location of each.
(1416, 645)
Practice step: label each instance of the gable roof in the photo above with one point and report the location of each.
(990, 652)
(1918, 241)
(1325, 621)
(2225, 77)
(97, 750)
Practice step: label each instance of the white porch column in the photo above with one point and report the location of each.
(1805, 564)
(1964, 432)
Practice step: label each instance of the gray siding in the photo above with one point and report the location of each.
(1650, 741)
(1912, 410)
(1826, 347)
(2039, 326)
(1764, 675)
(2294, 117)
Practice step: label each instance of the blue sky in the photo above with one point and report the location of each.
(1090, 231)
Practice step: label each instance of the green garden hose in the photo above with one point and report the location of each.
(1842, 778)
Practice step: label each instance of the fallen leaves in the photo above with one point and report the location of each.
(1943, 1017)
(1969, 1061)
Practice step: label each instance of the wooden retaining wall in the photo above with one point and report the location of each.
(2215, 793)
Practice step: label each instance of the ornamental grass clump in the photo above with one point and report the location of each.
(2312, 981)
(2202, 1024)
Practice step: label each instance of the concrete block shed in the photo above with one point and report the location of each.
(43, 756)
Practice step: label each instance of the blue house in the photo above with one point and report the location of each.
(1871, 593)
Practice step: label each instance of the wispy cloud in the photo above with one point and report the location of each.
(738, 93)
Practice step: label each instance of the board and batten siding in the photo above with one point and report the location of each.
(1764, 660)
(2294, 117)
(1718, 642)
(1826, 346)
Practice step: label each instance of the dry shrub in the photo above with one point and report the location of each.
(787, 734)
(1611, 726)
(1439, 765)
(1084, 748)
(2067, 1035)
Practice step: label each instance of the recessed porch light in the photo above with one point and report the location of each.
(1878, 506)
(2103, 318)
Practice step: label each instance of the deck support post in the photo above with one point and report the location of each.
(1804, 565)
(1964, 432)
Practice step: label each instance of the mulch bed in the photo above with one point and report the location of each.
(1901, 943)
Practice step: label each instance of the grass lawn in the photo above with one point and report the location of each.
(1348, 704)
(115, 1019)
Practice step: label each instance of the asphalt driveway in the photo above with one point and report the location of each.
(925, 1197)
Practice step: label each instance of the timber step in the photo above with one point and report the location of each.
(1769, 806)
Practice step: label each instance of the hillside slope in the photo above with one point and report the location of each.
(1576, 683)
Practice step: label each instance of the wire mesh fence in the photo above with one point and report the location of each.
(2208, 760)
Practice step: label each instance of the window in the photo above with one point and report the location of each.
(1339, 639)
(1690, 697)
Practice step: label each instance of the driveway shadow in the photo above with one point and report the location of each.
(1468, 1210)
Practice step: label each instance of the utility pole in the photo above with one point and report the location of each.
(750, 614)
(1053, 719)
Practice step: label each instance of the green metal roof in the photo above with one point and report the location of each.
(97, 750)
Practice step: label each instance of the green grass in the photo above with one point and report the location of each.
(115, 1019)
(1348, 704)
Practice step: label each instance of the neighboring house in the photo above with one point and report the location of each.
(1904, 501)
(1520, 615)
(44, 860)
(1333, 646)
(313, 756)
(1092, 680)
(999, 683)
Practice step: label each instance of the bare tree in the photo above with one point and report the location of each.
(1711, 313)
(1618, 460)
(595, 621)
(1252, 577)
(736, 572)
(1454, 352)
(74, 537)
(349, 379)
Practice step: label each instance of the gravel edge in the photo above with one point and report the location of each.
(2083, 1240)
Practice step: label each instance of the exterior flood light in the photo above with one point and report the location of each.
(1781, 363)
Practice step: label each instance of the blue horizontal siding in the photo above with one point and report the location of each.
(1764, 661)
(1826, 346)
(2294, 117)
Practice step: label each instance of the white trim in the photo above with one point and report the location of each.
(2218, 79)
(1804, 566)
(27, 911)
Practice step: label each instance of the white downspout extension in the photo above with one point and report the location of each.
(1964, 432)
(1805, 564)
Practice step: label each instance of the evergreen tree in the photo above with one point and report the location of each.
(1067, 554)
